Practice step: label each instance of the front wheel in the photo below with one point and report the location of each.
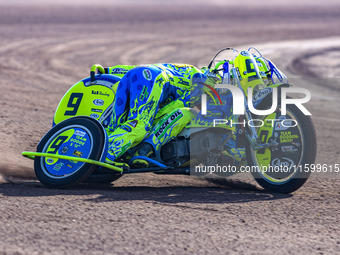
(82, 137)
(282, 168)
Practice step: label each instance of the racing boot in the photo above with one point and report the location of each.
(145, 150)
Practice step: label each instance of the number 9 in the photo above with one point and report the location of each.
(74, 103)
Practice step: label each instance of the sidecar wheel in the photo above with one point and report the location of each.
(79, 136)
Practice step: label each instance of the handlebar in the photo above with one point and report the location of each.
(231, 62)
(93, 70)
(219, 64)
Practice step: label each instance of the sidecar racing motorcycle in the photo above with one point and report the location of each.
(276, 146)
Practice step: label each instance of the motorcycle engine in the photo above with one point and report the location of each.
(176, 152)
(205, 146)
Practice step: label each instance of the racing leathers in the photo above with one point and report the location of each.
(151, 104)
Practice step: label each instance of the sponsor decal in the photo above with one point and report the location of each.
(98, 102)
(283, 162)
(80, 142)
(144, 94)
(77, 153)
(94, 115)
(167, 123)
(296, 144)
(98, 92)
(280, 127)
(133, 123)
(119, 71)
(81, 139)
(58, 166)
(284, 124)
(287, 137)
(288, 149)
(50, 160)
(147, 74)
(245, 53)
(261, 94)
(182, 82)
(80, 133)
(64, 150)
(96, 110)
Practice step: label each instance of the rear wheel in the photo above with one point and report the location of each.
(281, 169)
(78, 137)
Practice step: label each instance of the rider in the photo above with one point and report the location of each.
(152, 104)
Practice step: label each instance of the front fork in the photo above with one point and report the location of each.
(253, 139)
(250, 132)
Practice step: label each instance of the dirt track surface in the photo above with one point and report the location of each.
(44, 50)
